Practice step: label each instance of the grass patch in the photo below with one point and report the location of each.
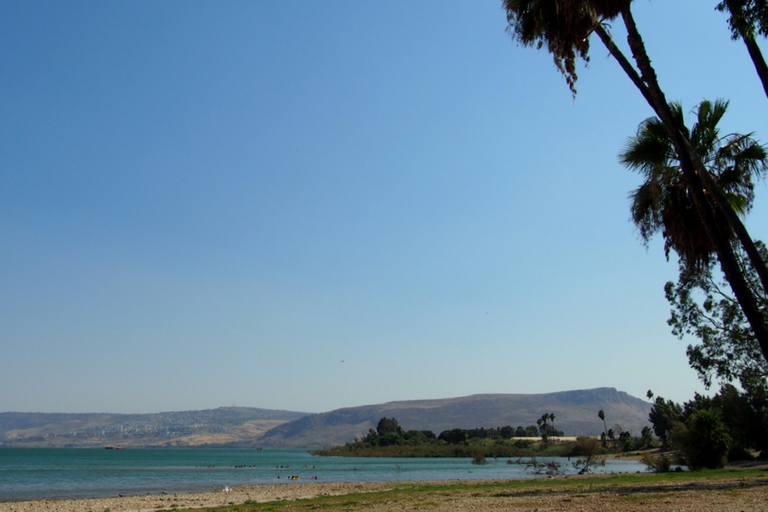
(416, 495)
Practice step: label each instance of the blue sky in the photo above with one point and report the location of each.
(329, 204)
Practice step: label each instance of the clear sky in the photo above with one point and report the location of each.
(313, 205)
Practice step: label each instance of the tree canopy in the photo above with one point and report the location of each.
(564, 27)
(663, 203)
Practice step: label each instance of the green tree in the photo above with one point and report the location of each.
(453, 436)
(507, 432)
(564, 28)
(704, 439)
(749, 18)
(662, 202)
(547, 429)
(601, 415)
(746, 417)
(728, 350)
(389, 426)
(663, 415)
(646, 437)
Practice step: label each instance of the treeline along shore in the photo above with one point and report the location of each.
(389, 439)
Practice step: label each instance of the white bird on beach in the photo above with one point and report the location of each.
(226, 489)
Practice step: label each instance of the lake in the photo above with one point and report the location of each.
(43, 473)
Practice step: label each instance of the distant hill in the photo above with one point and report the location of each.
(225, 426)
(575, 414)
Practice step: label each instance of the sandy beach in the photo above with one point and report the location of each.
(154, 502)
(743, 494)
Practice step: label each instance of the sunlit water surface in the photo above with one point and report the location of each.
(37, 473)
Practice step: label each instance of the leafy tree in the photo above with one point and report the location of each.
(564, 27)
(749, 18)
(646, 436)
(547, 429)
(704, 439)
(529, 431)
(625, 438)
(507, 432)
(663, 415)
(388, 426)
(372, 438)
(418, 437)
(453, 436)
(728, 350)
(746, 417)
(661, 203)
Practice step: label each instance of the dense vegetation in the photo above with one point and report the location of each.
(707, 432)
(389, 439)
(697, 185)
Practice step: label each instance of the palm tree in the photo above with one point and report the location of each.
(662, 202)
(601, 415)
(564, 27)
(749, 17)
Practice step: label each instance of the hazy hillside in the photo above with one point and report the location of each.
(575, 413)
(222, 426)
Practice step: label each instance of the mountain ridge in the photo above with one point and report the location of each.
(575, 412)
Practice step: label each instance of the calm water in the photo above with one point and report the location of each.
(38, 473)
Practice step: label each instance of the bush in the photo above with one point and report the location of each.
(478, 459)
(586, 446)
(739, 453)
(657, 463)
(704, 441)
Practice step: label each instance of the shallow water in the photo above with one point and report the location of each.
(39, 473)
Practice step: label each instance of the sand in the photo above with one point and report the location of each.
(155, 502)
(738, 494)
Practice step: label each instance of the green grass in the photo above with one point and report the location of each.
(423, 495)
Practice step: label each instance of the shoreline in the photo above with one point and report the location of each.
(260, 493)
(593, 492)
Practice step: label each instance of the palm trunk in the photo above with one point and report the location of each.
(657, 101)
(757, 59)
(699, 182)
(738, 23)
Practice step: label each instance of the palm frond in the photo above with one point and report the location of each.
(661, 204)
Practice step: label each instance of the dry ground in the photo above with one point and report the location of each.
(598, 493)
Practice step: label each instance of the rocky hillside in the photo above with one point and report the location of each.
(575, 414)
(213, 427)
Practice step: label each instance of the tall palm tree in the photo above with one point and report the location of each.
(601, 415)
(564, 27)
(748, 18)
(662, 202)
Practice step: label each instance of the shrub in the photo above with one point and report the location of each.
(657, 463)
(704, 441)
